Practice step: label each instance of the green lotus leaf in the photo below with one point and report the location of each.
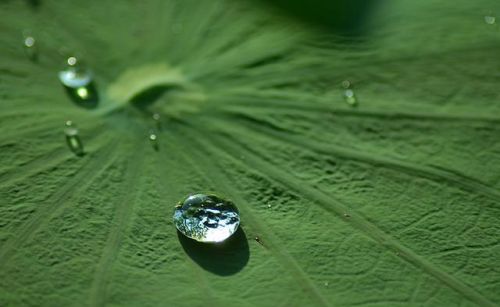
(365, 166)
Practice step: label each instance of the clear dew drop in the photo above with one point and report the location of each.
(73, 139)
(489, 19)
(206, 218)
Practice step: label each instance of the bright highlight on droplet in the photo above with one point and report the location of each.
(72, 61)
(206, 218)
(29, 42)
(82, 92)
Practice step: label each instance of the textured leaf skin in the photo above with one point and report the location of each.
(393, 203)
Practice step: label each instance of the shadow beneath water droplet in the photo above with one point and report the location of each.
(226, 258)
(86, 97)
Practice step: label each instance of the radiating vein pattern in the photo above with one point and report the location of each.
(389, 201)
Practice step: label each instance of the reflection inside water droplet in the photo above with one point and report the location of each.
(75, 77)
(206, 218)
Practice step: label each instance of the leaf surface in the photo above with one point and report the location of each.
(393, 202)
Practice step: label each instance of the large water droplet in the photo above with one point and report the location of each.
(206, 218)
(73, 139)
(78, 81)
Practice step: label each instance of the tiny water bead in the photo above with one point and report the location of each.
(73, 139)
(30, 47)
(206, 218)
(153, 139)
(157, 120)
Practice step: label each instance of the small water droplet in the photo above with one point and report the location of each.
(350, 98)
(72, 61)
(489, 19)
(157, 120)
(73, 139)
(269, 206)
(78, 81)
(153, 139)
(346, 84)
(206, 218)
(327, 284)
(30, 46)
(259, 240)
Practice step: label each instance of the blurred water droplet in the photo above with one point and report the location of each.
(153, 139)
(30, 46)
(72, 61)
(78, 81)
(350, 98)
(156, 118)
(489, 19)
(73, 139)
(346, 84)
(206, 218)
(327, 284)
(269, 206)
